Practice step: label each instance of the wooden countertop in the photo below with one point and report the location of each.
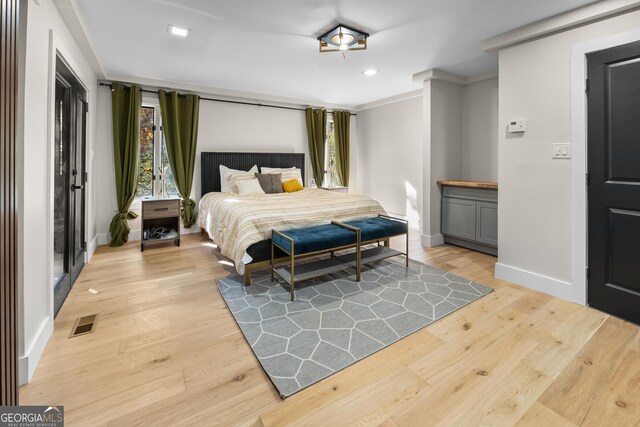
(471, 184)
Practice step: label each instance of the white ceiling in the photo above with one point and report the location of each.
(270, 47)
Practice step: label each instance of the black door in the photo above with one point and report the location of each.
(614, 180)
(69, 176)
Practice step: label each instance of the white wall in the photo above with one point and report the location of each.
(535, 190)
(45, 32)
(222, 127)
(480, 131)
(443, 139)
(390, 157)
(407, 145)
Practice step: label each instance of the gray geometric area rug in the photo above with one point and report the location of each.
(334, 321)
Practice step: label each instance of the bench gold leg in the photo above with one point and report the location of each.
(247, 278)
(293, 280)
(406, 253)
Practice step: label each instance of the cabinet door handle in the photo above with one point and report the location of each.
(161, 209)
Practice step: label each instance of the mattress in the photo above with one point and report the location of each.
(236, 223)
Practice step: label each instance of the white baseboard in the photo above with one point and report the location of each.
(431, 241)
(28, 362)
(539, 282)
(92, 248)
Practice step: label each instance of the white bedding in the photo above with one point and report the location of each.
(236, 222)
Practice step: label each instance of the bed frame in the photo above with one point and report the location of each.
(210, 178)
(210, 165)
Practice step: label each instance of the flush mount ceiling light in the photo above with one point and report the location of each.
(178, 31)
(342, 39)
(370, 72)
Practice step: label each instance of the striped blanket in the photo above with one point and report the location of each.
(236, 222)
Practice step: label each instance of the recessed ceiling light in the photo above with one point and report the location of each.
(178, 31)
(370, 72)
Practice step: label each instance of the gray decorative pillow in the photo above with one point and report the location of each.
(270, 182)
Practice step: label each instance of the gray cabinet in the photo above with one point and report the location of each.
(470, 218)
(459, 218)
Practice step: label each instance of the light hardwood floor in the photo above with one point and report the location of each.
(166, 351)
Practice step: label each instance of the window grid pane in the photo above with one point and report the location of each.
(331, 160)
(170, 185)
(145, 168)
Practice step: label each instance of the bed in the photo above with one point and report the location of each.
(241, 225)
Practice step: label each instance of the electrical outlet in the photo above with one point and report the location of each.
(561, 150)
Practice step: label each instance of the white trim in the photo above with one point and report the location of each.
(77, 26)
(31, 352)
(390, 100)
(436, 74)
(481, 77)
(28, 362)
(91, 249)
(579, 155)
(548, 285)
(562, 22)
(431, 241)
(228, 94)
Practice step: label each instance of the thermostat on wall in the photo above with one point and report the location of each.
(517, 126)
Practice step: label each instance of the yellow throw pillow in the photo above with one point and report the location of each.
(292, 186)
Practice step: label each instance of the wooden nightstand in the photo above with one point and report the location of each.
(160, 221)
(338, 189)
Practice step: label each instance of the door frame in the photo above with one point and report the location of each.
(579, 202)
(31, 348)
(57, 51)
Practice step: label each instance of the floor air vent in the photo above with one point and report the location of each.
(84, 325)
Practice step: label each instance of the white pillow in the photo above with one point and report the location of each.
(225, 171)
(249, 186)
(234, 177)
(287, 173)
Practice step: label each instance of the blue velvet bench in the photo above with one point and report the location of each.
(329, 238)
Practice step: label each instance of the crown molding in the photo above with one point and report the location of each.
(390, 100)
(227, 94)
(481, 77)
(562, 22)
(78, 29)
(436, 74)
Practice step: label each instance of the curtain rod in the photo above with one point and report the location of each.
(255, 104)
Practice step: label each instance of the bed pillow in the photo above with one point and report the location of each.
(292, 186)
(287, 173)
(271, 183)
(235, 177)
(225, 171)
(249, 186)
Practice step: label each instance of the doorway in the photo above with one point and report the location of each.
(69, 178)
(613, 173)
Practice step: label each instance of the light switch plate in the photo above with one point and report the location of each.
(561, 150)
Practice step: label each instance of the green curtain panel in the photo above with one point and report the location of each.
(180, 125)
(126, 103)
(317, 134)
(341, 124)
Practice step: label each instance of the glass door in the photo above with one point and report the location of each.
(61, 278)
(77, 188)
(69, 181)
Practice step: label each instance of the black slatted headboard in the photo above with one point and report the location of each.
(210, 163)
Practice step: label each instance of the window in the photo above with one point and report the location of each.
(331, 173)
(153, 157)
(145, 167)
